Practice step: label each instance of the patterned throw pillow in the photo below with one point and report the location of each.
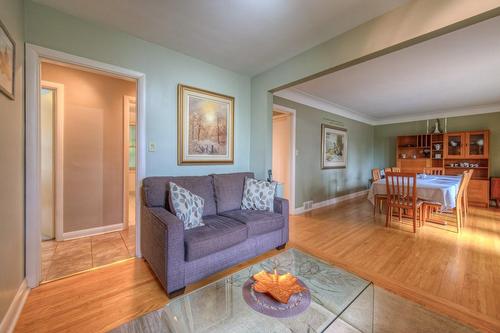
(258, 195)
(188, 207)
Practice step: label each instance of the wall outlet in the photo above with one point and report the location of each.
(308, 205)
(152, 146)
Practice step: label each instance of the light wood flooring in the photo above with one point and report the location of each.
(60, 259)
(456, 275)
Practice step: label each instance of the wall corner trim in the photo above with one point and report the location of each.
(9, 321)
(331, 201)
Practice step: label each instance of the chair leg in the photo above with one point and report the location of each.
(375, 202)
(414, 221)
(388, 215)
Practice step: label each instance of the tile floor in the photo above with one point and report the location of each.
(60, 259)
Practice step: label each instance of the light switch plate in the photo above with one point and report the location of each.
(152, 146)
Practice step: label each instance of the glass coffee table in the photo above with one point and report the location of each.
(339, 302)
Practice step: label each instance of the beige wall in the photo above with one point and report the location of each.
(282, 129)
(93, 146)
(12, 166)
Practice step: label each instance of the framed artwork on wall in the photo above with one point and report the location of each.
(205, 127)
(7, 62)
(333, 147)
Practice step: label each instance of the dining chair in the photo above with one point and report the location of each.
(402, 194)
(386, 170)
(459, 214)
(395, 169)
(433, 171)
(378, 199)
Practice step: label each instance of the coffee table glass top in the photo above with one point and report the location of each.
(220, 307)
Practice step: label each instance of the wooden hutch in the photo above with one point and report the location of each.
(455, 152)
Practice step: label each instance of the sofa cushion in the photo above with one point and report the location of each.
(258, 195)
(156, 191)
(229, 190)
(258, 221)
(187, 205)
(217, 234)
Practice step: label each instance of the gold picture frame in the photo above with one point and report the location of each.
(205, 127)
(7, 63)
(333, 147)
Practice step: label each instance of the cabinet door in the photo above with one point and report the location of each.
(478, 193)
(454, 145)
(477, 144)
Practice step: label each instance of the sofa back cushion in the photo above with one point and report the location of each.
(229, 190)
(156, 191)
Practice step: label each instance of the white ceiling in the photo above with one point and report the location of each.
(457, 73)
(246, 36)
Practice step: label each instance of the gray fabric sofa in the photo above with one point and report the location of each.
(230, 235)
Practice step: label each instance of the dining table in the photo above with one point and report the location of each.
(442, 189)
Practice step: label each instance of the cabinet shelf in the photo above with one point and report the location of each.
(449, 167)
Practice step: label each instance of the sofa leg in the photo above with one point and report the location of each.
(176, 293)
(281, 247)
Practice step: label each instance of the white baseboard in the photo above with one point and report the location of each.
(9, 321)
(331, 201)
(92, 231)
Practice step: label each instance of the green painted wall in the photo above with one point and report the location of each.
(12, 166)
(385, 136)
(312, 183)
(404, 24)
(164, 69)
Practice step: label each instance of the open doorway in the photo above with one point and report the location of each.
(87, 153)
(283, 159)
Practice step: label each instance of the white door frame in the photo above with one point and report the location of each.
(34, 55)
(293, 153)
(127, 101)
(58, 155)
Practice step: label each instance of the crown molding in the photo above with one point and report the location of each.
(298, 96)
(301, 97)
(450, 113)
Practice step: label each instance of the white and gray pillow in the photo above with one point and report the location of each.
(188, 207)
(258, 195)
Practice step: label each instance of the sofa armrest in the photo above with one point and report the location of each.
(162, 244)
(281, 207)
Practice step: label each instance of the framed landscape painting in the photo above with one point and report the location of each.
(7, 59)
(333, 147)
(205, 127)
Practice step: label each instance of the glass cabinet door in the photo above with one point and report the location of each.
(477, 144)
(454, 145)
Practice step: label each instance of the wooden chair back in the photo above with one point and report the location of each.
(395, 169)
(401, 189)
(464, 183)
(376, 174)
(433, 171)
(386, 170)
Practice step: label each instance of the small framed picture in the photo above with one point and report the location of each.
(333, 147)
(7, 62)
(205, 122)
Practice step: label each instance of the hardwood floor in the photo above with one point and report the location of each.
(457, 275)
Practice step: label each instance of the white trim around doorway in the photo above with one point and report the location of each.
(34, 56)
(293, 153)
(58, 156)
